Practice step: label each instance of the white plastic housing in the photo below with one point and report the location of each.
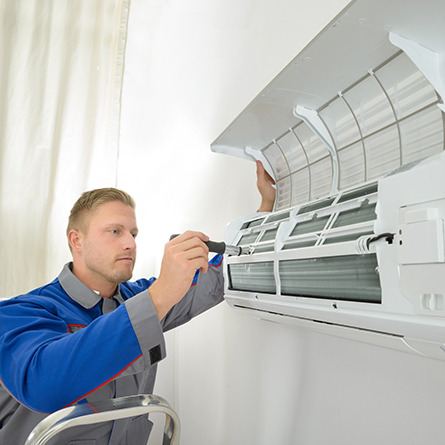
(352, 130)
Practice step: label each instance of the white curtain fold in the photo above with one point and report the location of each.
(61, 68)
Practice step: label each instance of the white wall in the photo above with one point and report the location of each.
(191, 67)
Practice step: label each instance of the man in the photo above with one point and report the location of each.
(91, 334)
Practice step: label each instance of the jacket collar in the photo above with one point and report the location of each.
(80, 292)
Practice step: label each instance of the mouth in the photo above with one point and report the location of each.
(126, 259)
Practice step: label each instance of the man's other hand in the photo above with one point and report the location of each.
(265, 187)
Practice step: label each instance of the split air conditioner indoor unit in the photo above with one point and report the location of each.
(352, 130)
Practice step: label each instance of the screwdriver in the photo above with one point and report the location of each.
(221, 247)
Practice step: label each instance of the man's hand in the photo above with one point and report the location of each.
(264, 185)
(183, 256)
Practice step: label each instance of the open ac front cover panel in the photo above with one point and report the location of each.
(352, 130)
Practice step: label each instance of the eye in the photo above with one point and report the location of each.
(134, 235)
(114, 231)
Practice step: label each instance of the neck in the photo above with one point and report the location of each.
(104, 288)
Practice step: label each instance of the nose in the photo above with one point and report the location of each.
(129, 242)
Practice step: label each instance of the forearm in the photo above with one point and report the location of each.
(266, 205)
(206, 292)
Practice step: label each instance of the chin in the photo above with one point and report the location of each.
(122, 277)
(127, 277)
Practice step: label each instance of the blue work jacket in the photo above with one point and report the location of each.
(63, 344)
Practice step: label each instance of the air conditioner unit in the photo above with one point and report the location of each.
(352, 130)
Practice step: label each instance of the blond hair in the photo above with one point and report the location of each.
(90, 201)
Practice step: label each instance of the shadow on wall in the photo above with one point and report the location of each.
(265, 386)
(291, 386)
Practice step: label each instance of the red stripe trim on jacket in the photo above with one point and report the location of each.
(216, 265)
(75, 325)
(103, 384)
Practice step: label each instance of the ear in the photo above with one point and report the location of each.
(75, 240)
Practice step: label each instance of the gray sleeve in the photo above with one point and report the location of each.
(146, 325)
(205, 294)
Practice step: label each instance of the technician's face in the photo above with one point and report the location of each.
(109, 246)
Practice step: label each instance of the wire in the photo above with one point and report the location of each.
(389, 238)
(362, 243)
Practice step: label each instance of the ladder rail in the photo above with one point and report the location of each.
(106, 410)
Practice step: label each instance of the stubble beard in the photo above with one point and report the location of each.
(112, 273)
(121, 275)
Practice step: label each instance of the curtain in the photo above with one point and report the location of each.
(60, 88)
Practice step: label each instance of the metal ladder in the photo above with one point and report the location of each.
(103, 411)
